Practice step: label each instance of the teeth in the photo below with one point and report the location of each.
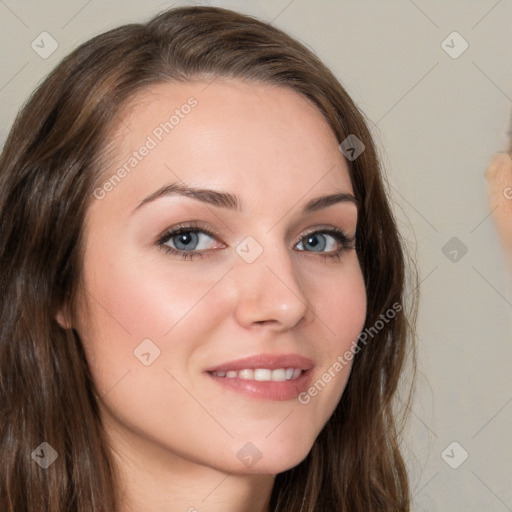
(278, 375)
(262, 374)
(246, 374)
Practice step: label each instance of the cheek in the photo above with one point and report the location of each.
(142, 298)
(345, 309)
(130, 302)
(339, 300)
(340, 305)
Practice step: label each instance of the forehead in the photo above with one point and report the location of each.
(245, 136)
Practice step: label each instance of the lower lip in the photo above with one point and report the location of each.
(267, 390)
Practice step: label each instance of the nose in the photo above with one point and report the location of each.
(270, 294)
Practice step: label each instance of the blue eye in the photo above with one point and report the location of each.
(318, 242)
(324, 242)
(187, 241)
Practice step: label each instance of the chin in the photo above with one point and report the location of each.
(271, 459)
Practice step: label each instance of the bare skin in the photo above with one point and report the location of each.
(499, 179)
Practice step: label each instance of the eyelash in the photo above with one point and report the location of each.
(339, 235)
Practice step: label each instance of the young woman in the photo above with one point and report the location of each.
(203, 303)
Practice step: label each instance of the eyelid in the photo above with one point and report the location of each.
(194, 225)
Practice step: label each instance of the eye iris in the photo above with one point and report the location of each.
(185, 240)
(316, 243)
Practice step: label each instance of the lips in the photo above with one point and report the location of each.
(269, 361)
(265, 376)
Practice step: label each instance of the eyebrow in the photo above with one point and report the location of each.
(233, 202)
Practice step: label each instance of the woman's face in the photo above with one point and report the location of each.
(258, 285)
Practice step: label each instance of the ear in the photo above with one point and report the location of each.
(63, 319)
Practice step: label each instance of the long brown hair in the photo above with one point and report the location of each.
(50, 164)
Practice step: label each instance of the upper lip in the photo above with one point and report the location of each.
(270, 361)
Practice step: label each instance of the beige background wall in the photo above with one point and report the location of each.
(438, 118)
